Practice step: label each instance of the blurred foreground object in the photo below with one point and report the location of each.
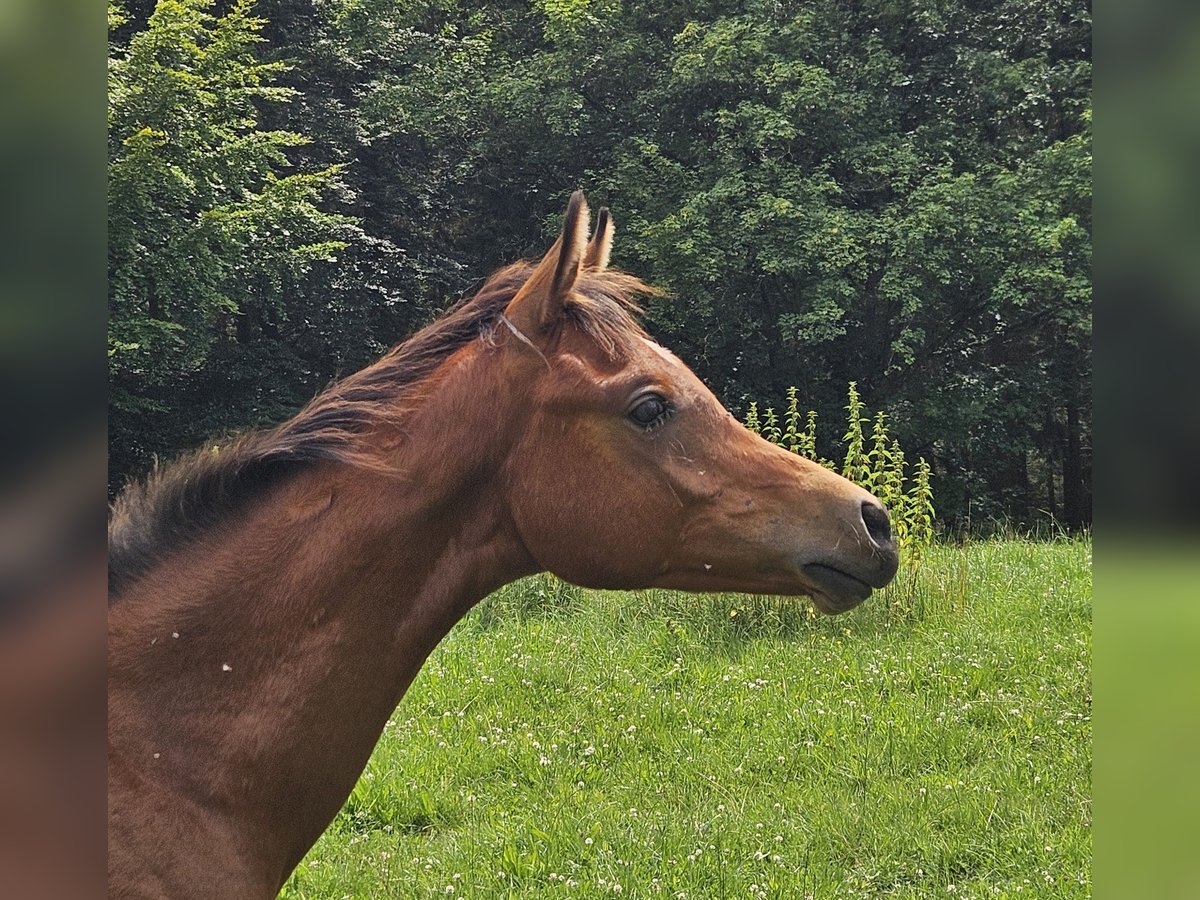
(1147, 674)
(52, 570)
(52, 799)
(1147, 265)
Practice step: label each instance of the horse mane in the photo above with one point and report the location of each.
(176, 503)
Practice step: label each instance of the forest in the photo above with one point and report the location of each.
(892, 192)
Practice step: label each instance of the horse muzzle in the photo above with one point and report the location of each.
(842, 581)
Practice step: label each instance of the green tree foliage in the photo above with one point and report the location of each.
(896, 193)
(212, 235)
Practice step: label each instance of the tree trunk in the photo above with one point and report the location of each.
(1050, 443)
(1073, 512)
(1027, 497)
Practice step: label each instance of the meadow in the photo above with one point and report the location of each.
(935, 742)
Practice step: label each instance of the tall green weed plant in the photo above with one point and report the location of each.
(870, 457)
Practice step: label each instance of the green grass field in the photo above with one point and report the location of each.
(568, 743)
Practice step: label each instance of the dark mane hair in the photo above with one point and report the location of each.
(178, 502)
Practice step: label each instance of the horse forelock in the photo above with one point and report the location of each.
(178, 502)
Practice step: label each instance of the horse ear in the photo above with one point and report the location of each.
(538, 305)
(600, 247)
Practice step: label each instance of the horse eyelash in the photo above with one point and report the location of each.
(658, 423)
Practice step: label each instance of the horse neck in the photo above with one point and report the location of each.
(281, 645)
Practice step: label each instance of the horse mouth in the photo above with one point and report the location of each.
(835, 591)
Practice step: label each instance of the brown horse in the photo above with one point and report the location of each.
(272, 600)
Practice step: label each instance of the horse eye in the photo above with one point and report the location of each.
(650, 411)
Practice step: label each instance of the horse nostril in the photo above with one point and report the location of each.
(879, 527)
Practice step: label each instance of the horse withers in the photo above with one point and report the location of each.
(271, 600)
